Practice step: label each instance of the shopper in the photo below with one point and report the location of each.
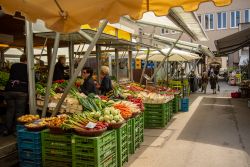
(192, 78)
(88, 85)
(59, 69)
(106, 84)
(204, 81)
(16, 94)
(213, 82)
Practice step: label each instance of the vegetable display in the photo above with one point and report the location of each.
(124, 110)
(28, 118)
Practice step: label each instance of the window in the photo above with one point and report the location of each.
(235, 19)
(247, 16)
(222, 20)
(199, 17)
(209, 21)
(164, 31)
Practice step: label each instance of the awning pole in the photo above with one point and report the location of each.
(166, 56)
(145, 65)
(249, 62)
(80, 66)
(51, 72)
(116, 64)
(98, 62)
(31, 69)
(71, 58)
(85, 35)
(130, 68)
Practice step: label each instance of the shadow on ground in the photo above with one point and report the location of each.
(220, 121)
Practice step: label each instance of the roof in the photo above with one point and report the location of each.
(234, 42)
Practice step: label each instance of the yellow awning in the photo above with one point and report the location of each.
(69, 15)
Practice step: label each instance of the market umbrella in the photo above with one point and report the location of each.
(176, 55)
(68, 16)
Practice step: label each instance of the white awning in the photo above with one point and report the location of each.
(176, 55)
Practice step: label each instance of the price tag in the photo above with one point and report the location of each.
(91, 125)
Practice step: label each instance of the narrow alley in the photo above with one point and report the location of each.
(214, 133)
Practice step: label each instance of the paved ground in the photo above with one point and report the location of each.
(214, 133)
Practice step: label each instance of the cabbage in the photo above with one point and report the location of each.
(101, 118)
(111, 117)
(114, 112)
(113, 122)
(106, 112)
(117, 118)
(106, 118)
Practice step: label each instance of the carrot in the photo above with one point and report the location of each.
(124, 110)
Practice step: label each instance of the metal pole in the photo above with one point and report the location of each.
(130, 68)
(80, 66)
(1, 59)
(85, 35)
(31, 69)
(98, 62)
(71, 58)
(166, 56)
(116, 64)
(49, 53)
(51, 72)
(145, 65)
(249, 62)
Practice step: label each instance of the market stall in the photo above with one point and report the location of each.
(73, 147)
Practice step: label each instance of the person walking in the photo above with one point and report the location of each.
(192, 82)
(213, 82)
(16, 94)
(204, 82)
(88, 85)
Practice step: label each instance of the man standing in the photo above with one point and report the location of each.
(16, 94)
(204, 81)
(59, 69)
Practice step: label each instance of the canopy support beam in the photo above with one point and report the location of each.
(144, 67)
(85, 35)
(116, 64)
(98, 62)
(166, 56)
(71, 58)
(51, 72)
(80, 66)
(130, 68)
(30, 64)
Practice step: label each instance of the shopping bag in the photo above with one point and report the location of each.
(218, 88)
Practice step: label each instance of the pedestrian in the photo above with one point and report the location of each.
(16, 94)
(192, 82)
(59, 69)
(213, 82)
(204, 82)
(106, 84)
(88, 85)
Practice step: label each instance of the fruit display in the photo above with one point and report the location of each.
(56, 122)
(28, 118)
(36, 125)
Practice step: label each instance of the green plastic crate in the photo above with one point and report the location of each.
(50, 163)
(93, 150)
(130, 139)
(56, 148)
(153, 118)
(122, 145)
(110, 161)
(154, 106)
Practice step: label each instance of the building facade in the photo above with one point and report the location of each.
(218, 22)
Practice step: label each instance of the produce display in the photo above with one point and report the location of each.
(4, 77)
(28, 118)
(56, 122)
(36, 125)
(154, 98)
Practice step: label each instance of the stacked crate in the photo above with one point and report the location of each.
(155, 115)
(184, 104)
(176, 102)
(29, 148)
(167, 112)
(98, 151)
(130, 134)
(56, 149)
(122, 145)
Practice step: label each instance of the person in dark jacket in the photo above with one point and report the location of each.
(59, 69)
(106, 84)
(213, 82)
(88, 85)
(16, 93)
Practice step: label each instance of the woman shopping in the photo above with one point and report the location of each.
(106, 84)
(213, 82)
